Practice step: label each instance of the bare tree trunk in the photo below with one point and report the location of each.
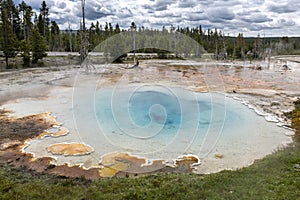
(216, 50)
(224, 48)
(84, 42)
(6, 61)
(70, 37)
(84, 38)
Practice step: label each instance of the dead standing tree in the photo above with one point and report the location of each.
(84, 42)
(133, 29)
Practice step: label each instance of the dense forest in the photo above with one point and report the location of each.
(30, 35)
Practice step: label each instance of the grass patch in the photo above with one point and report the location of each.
(275, 177)
(296, 120)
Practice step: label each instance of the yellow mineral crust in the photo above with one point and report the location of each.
(55, 131)
(111, 158)
(116, 162)
(70, 149)
(187, 161)
(112, 170)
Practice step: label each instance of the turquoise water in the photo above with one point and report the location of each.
(158, 110)
(166, 118)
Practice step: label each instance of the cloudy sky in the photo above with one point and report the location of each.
(251, 17)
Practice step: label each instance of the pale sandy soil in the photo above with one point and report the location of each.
(270, 91)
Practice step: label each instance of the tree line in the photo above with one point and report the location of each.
(32, 34)
(22, 32)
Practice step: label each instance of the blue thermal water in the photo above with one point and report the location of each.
(162, 115)
(160, 108)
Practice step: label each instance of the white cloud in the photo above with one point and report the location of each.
(251, 17)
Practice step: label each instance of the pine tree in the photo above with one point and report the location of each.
(40, 24)
(8, 38)
(26, 24)
(8, 5)
(241, 45)
(39, 46)
(22, 9)
(25, 52)
(43, 20)
(92, 37)
(55, 36)
(117, 29)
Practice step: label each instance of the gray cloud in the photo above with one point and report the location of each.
(226, 3)
(256, 18)
(286, 22)
(286, 8)
(233, 16)
(220, 14)
(187, 4)
(124, 13)
(195, 16)
(95, 10)
(162, 4)
(158, 5)
(62, 5)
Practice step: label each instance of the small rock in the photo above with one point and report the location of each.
(275, 103)
(219, 156)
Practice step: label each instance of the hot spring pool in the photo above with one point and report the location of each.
(156, 122)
